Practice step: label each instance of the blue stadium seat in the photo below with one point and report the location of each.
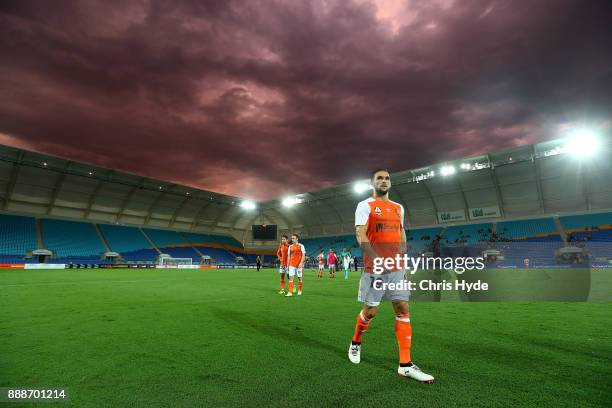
(162, 238)
(17, 237)
(574, 222)
(71, 240)
(526, 229)
(469, 234)
(129, 242)
(197, 238)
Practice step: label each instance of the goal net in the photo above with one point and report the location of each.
(170, 262)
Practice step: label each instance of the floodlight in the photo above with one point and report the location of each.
(290, 201)
(583, 143)
(361, 186)
(248, 205)
(447, 170)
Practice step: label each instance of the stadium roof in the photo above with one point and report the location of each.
(531, 180)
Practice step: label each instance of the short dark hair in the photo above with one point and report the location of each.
(377, 170)
(295, 235)
(284, 236)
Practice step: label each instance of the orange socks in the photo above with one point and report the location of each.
(300, 284)
(403, 332)
(282, 281)
(290, 286)
(360, 327)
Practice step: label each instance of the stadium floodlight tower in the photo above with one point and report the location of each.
(447, 170)
(583, 143)
(248, 205)
(290, 201)
(361, 186)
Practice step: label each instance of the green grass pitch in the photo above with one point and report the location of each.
(189, 338)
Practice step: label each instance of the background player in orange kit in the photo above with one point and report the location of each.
(321, 259)
(281, 254)
(379, 224)
(296, 256)
(331, 263)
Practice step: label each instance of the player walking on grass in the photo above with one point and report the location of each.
(346, 261)
(321, 259)
(331, 263)
(296, 256)
(281, 254)
(379, 224)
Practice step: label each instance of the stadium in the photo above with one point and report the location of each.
(195, 198)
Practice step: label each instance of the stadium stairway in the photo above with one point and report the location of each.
(129, 242)
(106, 247)
(149, 240)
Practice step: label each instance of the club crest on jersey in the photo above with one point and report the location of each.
(377, 211)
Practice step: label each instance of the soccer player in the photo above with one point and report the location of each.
(346, 261)
(379, 224)
(281, 254)
(331, 263)
(296, 256)
(321, 259)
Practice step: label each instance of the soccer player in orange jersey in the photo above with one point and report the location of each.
(296, 256)
(379, 224)
(281, 254)
(321, 259)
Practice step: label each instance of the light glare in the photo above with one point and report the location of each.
(248, 205)
(360, 186)
(582, 144)
(447, 170)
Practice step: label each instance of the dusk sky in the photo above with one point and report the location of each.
(263, 98)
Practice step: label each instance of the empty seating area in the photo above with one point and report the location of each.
(129, 242)
(218, 255)
(71, 240)
(164, 237)
(17, 237)
(419, 239)
(196, 238)
(586, 221)
(472, 233)
(337, 242)
(528, 229)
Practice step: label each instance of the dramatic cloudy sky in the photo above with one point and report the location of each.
(262, 98)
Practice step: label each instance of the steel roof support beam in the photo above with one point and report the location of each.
(128, 197)
(536, 169)
(12, 179)
(153, 205)
(57, 187)
(94, 194)
(500, 200)
(200, 213)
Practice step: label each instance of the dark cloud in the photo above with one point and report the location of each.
(264, 98)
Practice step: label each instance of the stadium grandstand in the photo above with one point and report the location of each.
(534, 198)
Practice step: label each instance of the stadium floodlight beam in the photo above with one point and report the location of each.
(447, 170)
(290, 201)
(361, 186)
(248, 205)
(582, 144)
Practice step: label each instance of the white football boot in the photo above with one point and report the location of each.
(415, 373)
(289, 294)
(354, 353)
